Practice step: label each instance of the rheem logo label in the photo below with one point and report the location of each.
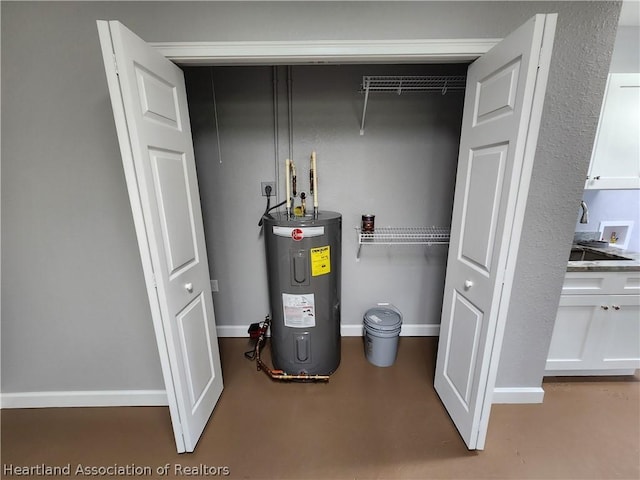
(297, 234)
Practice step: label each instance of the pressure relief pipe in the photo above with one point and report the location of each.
(314, 185)
(294, 179)
(287, 180)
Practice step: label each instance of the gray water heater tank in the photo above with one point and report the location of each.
(304, 268)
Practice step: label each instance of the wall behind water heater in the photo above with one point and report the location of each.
(402, 170)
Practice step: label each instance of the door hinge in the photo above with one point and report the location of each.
(540, 58)
(115, 64)
(548, 44)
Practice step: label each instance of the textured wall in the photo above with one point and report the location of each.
(74, 310)
(572, 105)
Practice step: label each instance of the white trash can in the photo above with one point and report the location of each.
(382, 325)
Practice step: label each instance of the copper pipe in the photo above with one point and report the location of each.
(279, 374)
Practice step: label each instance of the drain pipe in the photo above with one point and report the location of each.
(273, 373)
(290, 109)
(287, 179)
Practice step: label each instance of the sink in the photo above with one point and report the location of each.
(588, 255)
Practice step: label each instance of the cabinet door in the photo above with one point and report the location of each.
(614, 162)
(620, 343)
(577, 328)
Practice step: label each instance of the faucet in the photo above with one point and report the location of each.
(585, 213)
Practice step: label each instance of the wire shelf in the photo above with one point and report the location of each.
(403, 236)
(410, 83)
(414, 83)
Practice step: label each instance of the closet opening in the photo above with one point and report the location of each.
(246, 120)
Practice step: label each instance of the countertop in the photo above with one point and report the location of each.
(631, 265)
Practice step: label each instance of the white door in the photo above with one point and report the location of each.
(149, 102)
(502, 109)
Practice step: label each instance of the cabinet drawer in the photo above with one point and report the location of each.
(601, 283)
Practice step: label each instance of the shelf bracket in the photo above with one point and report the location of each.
(366, 85)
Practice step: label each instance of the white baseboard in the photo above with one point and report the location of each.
(351, 330)
(98, 398)
(518, 395)
(237, 331)
(149, 398)
(408, 330)
(589, 373)
(130, 398)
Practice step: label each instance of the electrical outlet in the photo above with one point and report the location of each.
(214, 285)
(263, 188)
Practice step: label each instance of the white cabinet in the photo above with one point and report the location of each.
(620, 346)
(615, 161)
(597, 326)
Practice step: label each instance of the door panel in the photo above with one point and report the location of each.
(193, 326)
(150, 108)
(175, 209)
(158, 98)
(481, 206)
(505, 89)
(496, 94)
(462, 343)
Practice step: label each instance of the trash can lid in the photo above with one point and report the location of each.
(380, 318)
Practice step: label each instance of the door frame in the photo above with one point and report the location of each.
(455, 50)
(452, 50)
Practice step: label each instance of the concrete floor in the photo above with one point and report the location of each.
(367, 422)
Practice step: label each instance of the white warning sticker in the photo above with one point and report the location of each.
(299, 310)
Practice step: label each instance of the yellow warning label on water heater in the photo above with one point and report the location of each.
(320, 261)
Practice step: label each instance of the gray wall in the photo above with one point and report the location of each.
(402, 169)
(612, 205)
(626, 51)
(74, 311)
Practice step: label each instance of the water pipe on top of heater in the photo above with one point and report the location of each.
(314, 184)
(294, 178)
(287, 181)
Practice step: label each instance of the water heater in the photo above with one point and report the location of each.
(304, 268)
